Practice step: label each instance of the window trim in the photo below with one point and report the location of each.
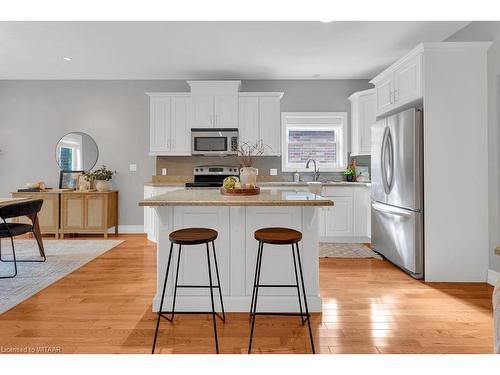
(314, 116)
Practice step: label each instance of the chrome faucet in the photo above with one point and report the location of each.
(316, 170)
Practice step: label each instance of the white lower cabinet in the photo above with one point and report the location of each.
(150, 213)
(339, 218)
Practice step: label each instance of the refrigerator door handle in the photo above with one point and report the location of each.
(390, 210)
(383, 160)
(390, 148)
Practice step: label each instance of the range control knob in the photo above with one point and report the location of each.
(196, 169)
(201, 169)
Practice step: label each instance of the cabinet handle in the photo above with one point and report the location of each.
(215, 120)
(395, 95)
(390, 97)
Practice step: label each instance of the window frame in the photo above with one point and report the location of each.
(312, 120)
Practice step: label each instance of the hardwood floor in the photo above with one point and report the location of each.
(369, 307)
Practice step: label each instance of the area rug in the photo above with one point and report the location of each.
(346, 250)
(63, 257)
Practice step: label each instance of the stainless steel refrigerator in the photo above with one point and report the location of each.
(397, 190)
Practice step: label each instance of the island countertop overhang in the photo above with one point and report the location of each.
(187, 197)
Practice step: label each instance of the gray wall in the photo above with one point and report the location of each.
(35, 114)
(490, 31)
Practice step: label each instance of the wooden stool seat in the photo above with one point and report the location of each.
(192, 236)
(278, 236)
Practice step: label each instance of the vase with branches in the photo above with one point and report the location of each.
(247, 152)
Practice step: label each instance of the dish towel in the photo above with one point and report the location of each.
(496, 315)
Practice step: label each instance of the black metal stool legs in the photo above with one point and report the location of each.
(304, 316)
(176, 286)
(308, 316)
(14, 259)
(253, 312)
(162, 298)
(212, 300)
(218, 284)
(259, 252)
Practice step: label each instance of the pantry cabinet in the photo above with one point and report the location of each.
(170, 132)
(363, 115)
(400, 84)
(259, 120)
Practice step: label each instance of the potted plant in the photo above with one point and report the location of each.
(350, 172)
(101, 178)
(247, 151)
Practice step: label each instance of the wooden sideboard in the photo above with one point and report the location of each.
(65, 212)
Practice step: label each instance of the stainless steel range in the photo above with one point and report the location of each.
(212, 176)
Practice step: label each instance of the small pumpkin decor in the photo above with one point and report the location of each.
(101, 178)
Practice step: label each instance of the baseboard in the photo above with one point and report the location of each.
(128, 229)
(493, 277)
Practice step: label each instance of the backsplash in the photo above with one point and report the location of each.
(183, 166)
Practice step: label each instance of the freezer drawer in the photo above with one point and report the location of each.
(397, 234)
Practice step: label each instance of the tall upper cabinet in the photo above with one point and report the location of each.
(259, 119)
(169, 123)
(214, 104)
(363, 116)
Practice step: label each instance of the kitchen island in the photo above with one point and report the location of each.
(236, 218)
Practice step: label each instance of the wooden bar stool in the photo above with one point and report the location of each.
(191, 236)
(279, 236)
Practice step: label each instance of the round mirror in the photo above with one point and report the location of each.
(76, 152)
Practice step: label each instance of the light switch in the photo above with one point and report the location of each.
(257, 171)
(132, 167)
(164, 171)
(273, 172)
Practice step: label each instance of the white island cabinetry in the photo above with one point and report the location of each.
(236, 219)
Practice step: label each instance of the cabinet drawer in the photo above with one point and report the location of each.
(337, 191)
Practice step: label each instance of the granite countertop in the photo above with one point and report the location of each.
(215, 198)
(270, 184)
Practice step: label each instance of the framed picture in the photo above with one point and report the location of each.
(69, 179)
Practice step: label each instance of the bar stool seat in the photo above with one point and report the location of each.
(278, 236)
(192, 236)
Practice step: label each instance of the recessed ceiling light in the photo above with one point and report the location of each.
(326, 21)
(67, 58)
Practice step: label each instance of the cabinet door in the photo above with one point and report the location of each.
(202, 111)
(362, 212)
(408, 81)
(321, 212)
(72, 211)
(269, 124)
(226, 111)
(367, 117)
(180, 131)
(384, 90)
(95, 211)
(339, 220)
(248, 124)
(159, 124)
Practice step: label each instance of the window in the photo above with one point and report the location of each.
(321, 136)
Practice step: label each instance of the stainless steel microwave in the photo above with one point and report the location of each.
(214, 141)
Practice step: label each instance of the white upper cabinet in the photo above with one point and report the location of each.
(259, 120)
(399, 84)
(214, 104)
(169, 123)
(363, 115)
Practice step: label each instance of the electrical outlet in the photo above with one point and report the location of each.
(132, 167)
(257, 171)
(164, 171)
(273, 172)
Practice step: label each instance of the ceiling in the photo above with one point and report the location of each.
(209, 50)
